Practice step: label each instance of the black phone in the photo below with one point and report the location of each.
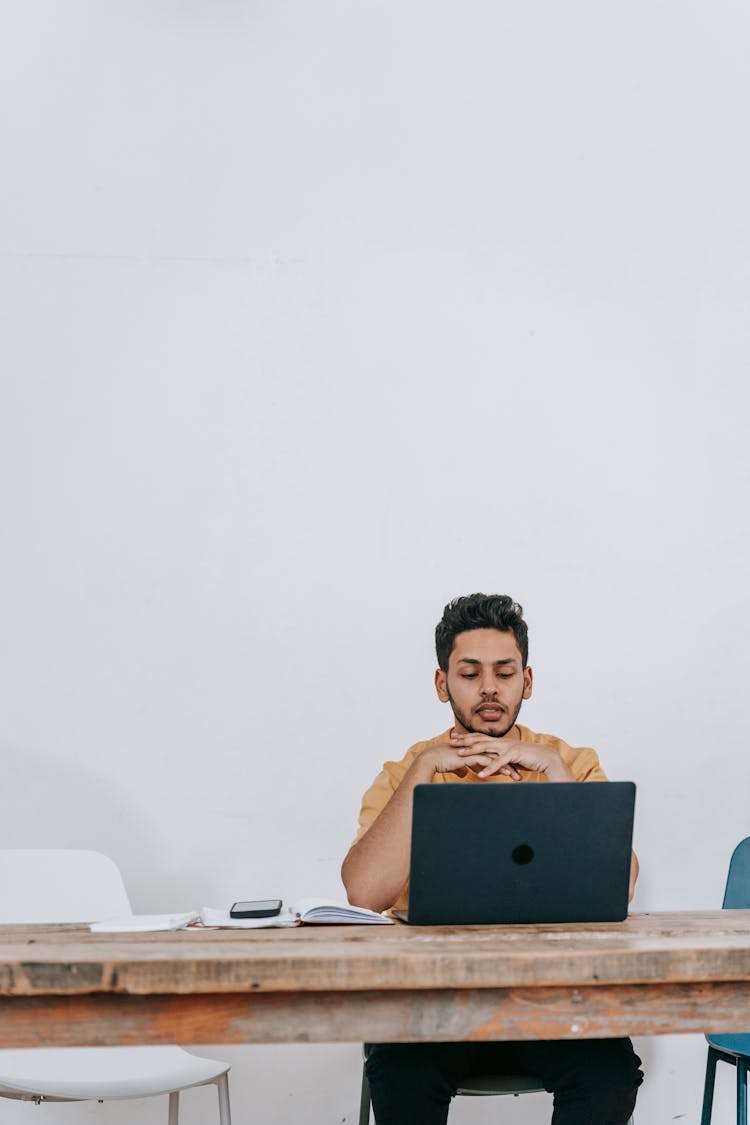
(262, 908)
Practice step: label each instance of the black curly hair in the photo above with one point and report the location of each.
(480, 611)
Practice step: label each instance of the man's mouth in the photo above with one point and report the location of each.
(489, 711)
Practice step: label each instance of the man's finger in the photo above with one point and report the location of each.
(477, 760)
(488, 746)
(496, 767)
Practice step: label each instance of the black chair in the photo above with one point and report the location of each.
(480, 1086)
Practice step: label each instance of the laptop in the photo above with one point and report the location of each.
(515, 853)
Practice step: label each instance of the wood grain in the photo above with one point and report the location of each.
(395, 1016)
(652, 974)
(689, 947)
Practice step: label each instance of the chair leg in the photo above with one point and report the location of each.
(222, 1085)
(174, 1107)
(741, 1092)
(708, 1086)
(364, 1100)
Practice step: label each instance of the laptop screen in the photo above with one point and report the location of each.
(515, 853)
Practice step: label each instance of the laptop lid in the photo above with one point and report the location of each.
(515, 853)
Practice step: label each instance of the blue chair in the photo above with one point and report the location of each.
(732, 1049)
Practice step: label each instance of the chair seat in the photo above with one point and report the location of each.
(481, 1085)
(731, 1044)
(79, 1073)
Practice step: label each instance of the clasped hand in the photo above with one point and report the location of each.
(490, 756)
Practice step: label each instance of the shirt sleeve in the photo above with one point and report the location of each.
(582, 761)
(379, 794)
(585, 764)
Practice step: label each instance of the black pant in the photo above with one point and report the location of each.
(594, 1081)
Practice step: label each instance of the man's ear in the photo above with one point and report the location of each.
(441, 685)
(528, 680)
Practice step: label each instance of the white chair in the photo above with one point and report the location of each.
(40, 885)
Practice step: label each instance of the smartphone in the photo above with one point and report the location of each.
(262, 908)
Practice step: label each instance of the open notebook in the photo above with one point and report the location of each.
(306, 910)
(311, 910)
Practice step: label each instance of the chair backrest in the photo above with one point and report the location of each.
(737, 892)
(59, 885)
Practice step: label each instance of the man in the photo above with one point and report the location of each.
(483, 673)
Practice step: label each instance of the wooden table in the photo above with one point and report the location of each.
(649, 975)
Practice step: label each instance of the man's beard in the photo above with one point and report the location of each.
(466, 723)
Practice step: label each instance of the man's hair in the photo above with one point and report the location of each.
(480, 611)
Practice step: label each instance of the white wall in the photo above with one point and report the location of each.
(315, 315)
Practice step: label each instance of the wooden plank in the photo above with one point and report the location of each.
(689, 947)
(396, 1016)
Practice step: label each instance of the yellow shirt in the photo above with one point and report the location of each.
(582, 761)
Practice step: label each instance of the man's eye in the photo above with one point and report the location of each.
(507, 675)
(468, 675)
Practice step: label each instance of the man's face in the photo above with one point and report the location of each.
(485, 683)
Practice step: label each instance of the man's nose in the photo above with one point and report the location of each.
(487, 685)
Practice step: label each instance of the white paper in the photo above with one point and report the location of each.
(143, 923)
